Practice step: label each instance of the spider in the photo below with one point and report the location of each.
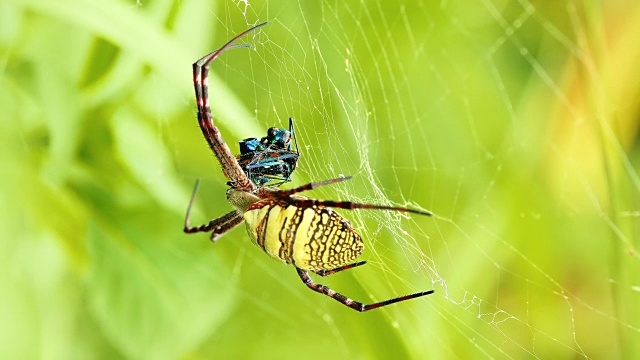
(269, 159)
(293, 229)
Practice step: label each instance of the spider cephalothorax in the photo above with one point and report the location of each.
(296, 230)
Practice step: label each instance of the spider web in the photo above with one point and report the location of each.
(513, 121)
(496, 116)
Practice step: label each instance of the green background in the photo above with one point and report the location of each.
(514, 122)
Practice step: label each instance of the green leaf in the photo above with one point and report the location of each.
(153, 301)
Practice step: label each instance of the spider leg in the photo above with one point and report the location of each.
(310, 186)
(218, 226)
(307, 203)
(293, 133)
(211, 133)
(207, 57)
(231, 223)
(285, 195)
(304, 275)
(333, 271)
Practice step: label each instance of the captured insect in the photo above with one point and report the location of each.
(300, 231)
(270, 160)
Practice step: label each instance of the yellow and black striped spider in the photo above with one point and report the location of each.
(296, 230)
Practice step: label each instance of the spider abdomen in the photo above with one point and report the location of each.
(313, 238)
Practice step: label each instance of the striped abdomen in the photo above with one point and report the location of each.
(314, 238)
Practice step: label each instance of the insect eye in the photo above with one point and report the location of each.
(250, 145)
(283, 138)
(272, 132)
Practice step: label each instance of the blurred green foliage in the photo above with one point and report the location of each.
(515, 122)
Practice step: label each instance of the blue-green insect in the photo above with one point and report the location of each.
(270, 160)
